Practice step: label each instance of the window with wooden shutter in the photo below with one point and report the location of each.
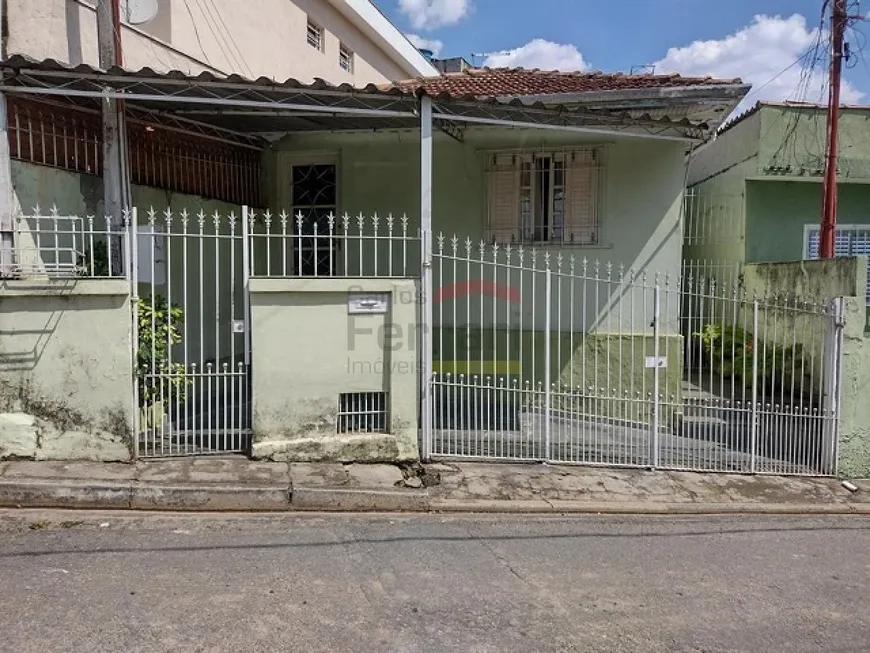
(503, 198)
(581, 197)
(544, 197)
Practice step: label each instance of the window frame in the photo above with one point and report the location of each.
(815, 229)
(531, 227)
(320, 46)
(345, 52)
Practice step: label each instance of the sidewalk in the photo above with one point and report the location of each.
(238, 484)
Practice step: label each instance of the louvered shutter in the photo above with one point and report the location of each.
(847, 242)
(582, 170)
(503, 198)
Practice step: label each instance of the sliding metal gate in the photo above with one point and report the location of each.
(191, 333)
(556, 358)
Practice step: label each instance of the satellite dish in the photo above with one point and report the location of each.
(137, 12)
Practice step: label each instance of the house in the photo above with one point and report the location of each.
(450, 266)
(755, 192)
(340, 41)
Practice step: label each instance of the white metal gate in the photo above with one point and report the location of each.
(540, 356)
(191, 333)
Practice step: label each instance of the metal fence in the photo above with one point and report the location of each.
(54, 245)
(536, 354)
(543, 356)
(192, 353)
(315, 244)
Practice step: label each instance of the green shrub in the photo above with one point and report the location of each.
(730, 352)
(159, 329)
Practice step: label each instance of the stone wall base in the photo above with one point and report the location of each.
(345, 448)
(26, 437)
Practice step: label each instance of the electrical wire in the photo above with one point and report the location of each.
(196, 33)
(231, 39)
(810, 61)
(220, 40)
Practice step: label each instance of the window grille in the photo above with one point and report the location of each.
(544, 197)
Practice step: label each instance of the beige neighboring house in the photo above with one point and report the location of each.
(340, 41)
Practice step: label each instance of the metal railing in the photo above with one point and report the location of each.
(54, 245)
(192, 336)
(325, 245)
(541, 355)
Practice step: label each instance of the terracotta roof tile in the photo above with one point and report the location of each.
(497, 82)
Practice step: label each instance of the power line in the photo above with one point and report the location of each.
(221, 41)
(230, 37)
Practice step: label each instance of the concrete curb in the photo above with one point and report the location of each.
(562, 507)
(81, 494)
(26, 493)
(358, 500)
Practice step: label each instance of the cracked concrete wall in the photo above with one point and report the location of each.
(824, 280)
(66, 370)
(307, 348)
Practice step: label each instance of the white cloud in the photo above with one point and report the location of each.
(429, 14)
(426, 44)
(759, 53)
(539, 53)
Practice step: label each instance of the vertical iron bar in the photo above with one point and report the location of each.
(753, 439)
(654, 455)
(548, 399)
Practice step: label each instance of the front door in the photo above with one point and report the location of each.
(313, 194)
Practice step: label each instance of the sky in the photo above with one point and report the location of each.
(776, 45)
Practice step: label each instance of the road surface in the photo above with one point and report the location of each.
(73, 581)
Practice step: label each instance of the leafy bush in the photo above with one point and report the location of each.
(95, 263)
(730, 352)
(159, 329)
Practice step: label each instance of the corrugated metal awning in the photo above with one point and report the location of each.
(264, 106)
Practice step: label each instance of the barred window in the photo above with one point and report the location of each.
(345, 58)
(544, 196)
(849, 240)
(315, 35)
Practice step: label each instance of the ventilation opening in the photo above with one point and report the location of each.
(362, 412)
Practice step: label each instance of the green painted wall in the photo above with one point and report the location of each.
(304, 325)
(66, 378)
(780, 209)
(640, 207)
(772, 161)
(813, 280)
(208, 326)
(792, 142)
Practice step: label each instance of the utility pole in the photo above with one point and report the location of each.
(829, 186)
(109, 46)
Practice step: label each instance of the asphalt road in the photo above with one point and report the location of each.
(109, 582)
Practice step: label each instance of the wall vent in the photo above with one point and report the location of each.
(362, 412)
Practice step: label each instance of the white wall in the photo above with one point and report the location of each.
(266, 38)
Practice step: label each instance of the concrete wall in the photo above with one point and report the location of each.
(793, 142)
(715, 221)
(209, 325)
(268, 39)
(727, 159)
(308, 348)
(768, 169)
(640, 207)
(66, 376)
(779, 210)
(817, 280)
